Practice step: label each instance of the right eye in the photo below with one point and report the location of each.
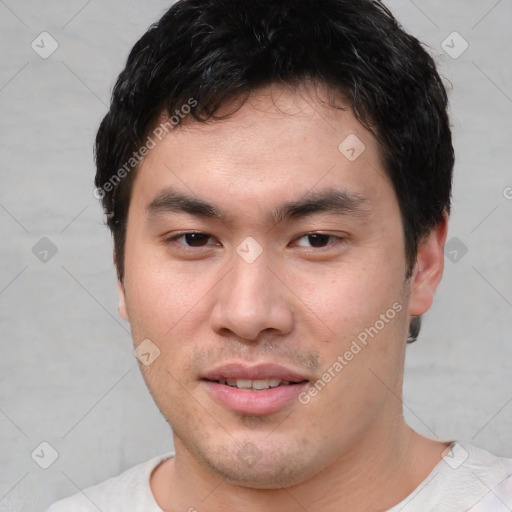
(190, 239)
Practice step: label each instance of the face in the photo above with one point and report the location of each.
(266, 265)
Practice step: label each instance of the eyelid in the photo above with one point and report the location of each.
(172, 238)
(339, 239)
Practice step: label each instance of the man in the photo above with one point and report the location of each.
(277, 178)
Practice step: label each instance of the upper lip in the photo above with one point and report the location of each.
(255, 372)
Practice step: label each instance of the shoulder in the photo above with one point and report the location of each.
(467, 479)
(491, 478)
(128, 491)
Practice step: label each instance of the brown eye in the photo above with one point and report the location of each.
(316, 240)
(191, 239)
(196, 239)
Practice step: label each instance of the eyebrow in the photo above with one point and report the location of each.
(330, 200)
(171, 201)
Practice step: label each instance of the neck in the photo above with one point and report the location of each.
(376, 473)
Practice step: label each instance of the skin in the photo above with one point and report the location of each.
(302, 306)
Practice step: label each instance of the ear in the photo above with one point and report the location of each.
(121, 308)
(122, 300)
(428, 269)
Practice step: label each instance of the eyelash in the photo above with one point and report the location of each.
(176, 237)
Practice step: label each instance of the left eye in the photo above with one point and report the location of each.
(316, 240)
(193, 239)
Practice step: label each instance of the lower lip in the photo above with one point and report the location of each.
(246, 401)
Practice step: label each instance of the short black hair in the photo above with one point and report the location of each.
(205, 53)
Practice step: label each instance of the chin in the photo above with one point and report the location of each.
(272, 467)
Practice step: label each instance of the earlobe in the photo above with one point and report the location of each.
(122, 301)
(428, 269)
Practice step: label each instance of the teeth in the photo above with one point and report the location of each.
(261, 384)
(243, 384)
(258, 385)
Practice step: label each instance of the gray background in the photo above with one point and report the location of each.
(67, 370)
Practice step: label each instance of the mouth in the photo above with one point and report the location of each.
(254, 390)
(257, 384)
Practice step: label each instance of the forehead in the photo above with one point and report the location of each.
(280, 143)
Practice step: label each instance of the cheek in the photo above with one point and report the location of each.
(365, 312)
(159, 294)
(350, 297)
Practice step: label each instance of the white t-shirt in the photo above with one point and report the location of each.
(467, 479)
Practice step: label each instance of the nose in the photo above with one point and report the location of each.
(252, 300)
